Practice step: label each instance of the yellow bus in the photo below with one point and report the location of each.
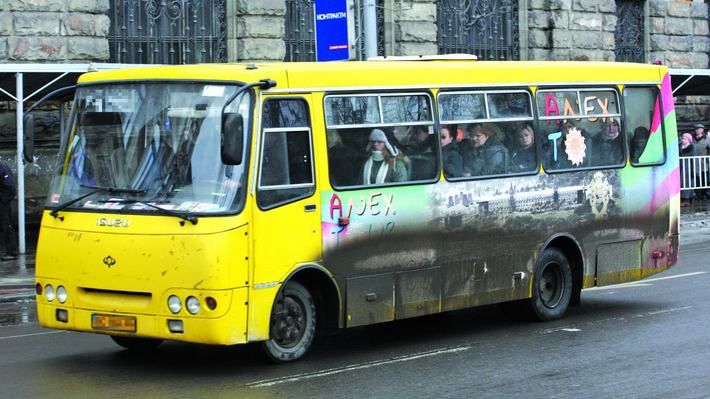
(227, 204)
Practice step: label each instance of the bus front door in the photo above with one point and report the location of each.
(286, 230)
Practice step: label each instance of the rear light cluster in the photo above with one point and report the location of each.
(192, 304)
(50, 294)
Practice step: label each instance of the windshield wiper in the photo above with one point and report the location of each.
(95, 190)
(188, 218)
(115, 190)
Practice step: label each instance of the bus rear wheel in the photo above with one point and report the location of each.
(293, 324)
(552, 286)
(137, 344)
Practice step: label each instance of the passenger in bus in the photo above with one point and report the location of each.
(607, 145)
(342, 161)
(81, 169)
(524, 158)
(453, 164)
(384, 165)
(484, 155)
(638, 143)
(556, 154)
(419, 149)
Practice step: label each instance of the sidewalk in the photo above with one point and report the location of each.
(17, 276)
(17, 279)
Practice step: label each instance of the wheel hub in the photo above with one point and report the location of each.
(551, 286)
(290, 324)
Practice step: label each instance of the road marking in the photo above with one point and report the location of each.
(31, 335)
(642, 283)
(619, 318)
(353, 367)
(571, 329)
(675, 276)
(615, 286)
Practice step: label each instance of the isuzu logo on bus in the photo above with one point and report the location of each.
(109, 261)
(113, 222)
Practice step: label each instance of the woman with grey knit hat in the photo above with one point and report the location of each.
(384, 164)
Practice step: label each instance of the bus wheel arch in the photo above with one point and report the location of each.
(573, 252)
(307, 302)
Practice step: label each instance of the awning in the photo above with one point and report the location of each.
(690, 82)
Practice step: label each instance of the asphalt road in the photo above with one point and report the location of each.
(650, 339)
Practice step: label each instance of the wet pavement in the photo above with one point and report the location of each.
(17, 278)
(17, 292)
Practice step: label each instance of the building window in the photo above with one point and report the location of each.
(486, 28)
(629, 35)
(300, 37)
(167, 32)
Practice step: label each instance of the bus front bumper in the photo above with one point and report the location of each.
(229, 329)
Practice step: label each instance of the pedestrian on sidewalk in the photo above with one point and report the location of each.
(8, 190)
(702, 148)
(687, 149)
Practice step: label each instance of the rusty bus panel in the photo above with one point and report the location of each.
(418, 293)
(370, 299)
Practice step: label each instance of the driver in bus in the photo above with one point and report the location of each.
(384, 165)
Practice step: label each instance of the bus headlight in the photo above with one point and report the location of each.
(193, 305)
(61, 294)
(49, 293)
(174, 304)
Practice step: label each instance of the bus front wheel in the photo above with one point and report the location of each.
(552, 286)
(137, 344)
(293, 324)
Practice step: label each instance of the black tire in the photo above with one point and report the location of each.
(137, 344)
(293, 324)
(552, 286)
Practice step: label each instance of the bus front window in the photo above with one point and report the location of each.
(151, 142)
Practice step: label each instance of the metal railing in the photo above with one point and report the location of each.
(695, 172)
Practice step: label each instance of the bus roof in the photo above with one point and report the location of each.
(356, 74)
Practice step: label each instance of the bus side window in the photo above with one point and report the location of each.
(286, 163)
(641, 108)
(385, 138)
(580, 128)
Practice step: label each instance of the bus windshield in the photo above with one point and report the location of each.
(151, 144)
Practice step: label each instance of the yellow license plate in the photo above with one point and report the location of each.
(113, 322)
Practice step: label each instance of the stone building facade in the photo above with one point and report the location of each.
(54, 30)
(673, 32)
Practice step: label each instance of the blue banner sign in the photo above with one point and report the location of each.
(331, 21)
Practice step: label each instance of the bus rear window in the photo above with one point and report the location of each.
(644, 133)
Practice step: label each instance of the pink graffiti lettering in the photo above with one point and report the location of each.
(336, 204)
(375, 204)
(551, 106)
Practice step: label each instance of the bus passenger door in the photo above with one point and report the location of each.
(286, 229)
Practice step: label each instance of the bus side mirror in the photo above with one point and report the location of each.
(232, 138)
(28, 138)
